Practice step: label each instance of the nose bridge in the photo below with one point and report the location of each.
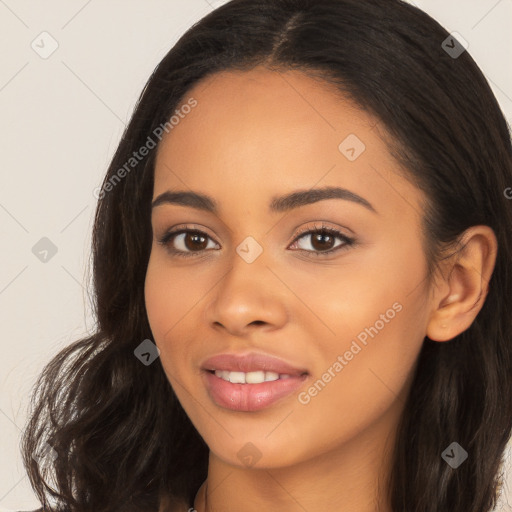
(248, 292)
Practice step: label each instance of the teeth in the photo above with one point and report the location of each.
(250, 377)
(254, 377)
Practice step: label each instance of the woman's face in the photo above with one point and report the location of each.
(349, 323)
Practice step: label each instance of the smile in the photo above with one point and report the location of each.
(250, 377)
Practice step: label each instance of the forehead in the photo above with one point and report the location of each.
(258, 133)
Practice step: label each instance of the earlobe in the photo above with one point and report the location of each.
(460, 296)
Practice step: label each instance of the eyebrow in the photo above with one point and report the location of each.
(277, 204)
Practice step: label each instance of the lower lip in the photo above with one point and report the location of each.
(250, 397)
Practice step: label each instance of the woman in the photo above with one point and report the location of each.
(341, 339)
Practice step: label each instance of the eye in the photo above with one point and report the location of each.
(185, 242)
(189, 242)
(321, 239)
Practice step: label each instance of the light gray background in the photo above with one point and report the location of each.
(61, 119)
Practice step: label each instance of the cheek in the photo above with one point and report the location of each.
(352, 295)
(164, 306)
(169, 295)
(377, 314)
(173, 295)
(373, 381)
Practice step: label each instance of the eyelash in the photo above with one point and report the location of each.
(323, 229)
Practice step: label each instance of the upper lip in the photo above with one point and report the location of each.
(251, 362)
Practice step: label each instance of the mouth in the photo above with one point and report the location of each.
(251, 382)
(249, 397)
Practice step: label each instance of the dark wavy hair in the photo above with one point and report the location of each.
(122, 439)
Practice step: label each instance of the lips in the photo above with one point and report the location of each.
(229, 380)
(251, 363)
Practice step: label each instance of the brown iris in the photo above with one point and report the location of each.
(320, 239)
(197, 241)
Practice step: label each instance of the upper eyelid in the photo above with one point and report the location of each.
(180, 229)
(224, 225)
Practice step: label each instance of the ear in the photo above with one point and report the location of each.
(459, 297)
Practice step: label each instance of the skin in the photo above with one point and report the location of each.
(253, 136)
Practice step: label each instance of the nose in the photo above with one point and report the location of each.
(249, 296)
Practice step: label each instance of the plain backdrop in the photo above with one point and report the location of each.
(61, 119)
